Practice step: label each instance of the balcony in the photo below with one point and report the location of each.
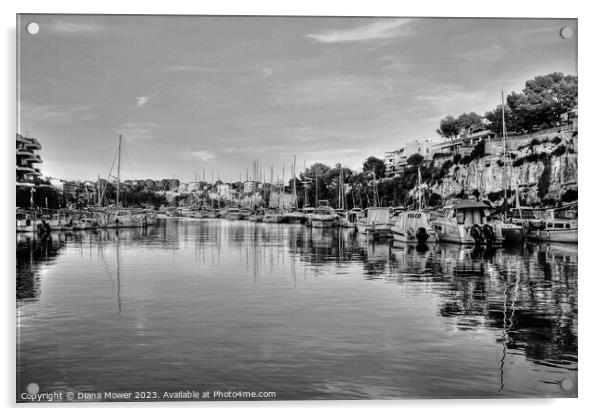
(24, 152)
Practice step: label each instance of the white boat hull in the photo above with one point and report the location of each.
(273, 218)
(402, 236)
(559, 236)
(233, 217)
(374, 229)
(322, 222)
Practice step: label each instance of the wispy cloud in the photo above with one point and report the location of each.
(190, 68)
(333, 89)
(138, 130)
(203, 155)
(381, 29)
(54, 113)
(142, 100)
(267, 71)
(488, 54)
(452, 98)
(395, 64)
(74, 28)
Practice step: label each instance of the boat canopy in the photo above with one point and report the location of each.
(377, 215)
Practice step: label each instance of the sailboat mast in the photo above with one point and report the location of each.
(504, 143)
(305, 183)
(118, 170)
(339, 191)
(316, 172)
(376, 201)
(295, 180)
(419, 189)
(342, 203)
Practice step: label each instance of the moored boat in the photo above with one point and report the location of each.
(306, 215)
(256, 216)
(26, 221)
(123, 218)
(465, 222)
(558, 226)
(233, 214)
(376, 222)
(413, 227)
(349, 219)
(293, 217)
(85, 223)
(272, 216)
(245, 214)
(324, 216)
(512, 233)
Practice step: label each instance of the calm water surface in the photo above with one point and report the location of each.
(309, 314)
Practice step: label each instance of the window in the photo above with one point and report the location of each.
(460, 217)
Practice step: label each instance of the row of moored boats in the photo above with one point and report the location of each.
(459, 221)
(45, 221)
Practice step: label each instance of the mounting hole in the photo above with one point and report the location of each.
(33, 28)
(566, 384)
(566, 32)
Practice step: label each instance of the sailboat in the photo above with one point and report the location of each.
(414, 225)
(511, 233)
(376, 222)
(118, 216)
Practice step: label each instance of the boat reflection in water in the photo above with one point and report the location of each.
(305, 312)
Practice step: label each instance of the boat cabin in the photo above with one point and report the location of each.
(467, 212)
(376, 215)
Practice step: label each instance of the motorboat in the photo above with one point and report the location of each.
(413, 226)
(85, 223)
(245, 214)
(26, 221)
(233, 214)
(349, 219)
(466, 222)
(256, 216)
(306, 215)
(324, 216)
(294, 217)
(375, 223)
(123, 218)
(557, 227)
(512, 233)
(273, 216)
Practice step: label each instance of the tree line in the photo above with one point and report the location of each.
(539, 105)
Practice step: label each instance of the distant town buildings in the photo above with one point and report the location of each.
(225, 190)
(396, 160)
(249, 187)
(27, 158)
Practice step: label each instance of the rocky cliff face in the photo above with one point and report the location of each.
(486, 174)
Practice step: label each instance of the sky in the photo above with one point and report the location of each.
(214, 94)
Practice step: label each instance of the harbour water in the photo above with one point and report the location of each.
(306, 313)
